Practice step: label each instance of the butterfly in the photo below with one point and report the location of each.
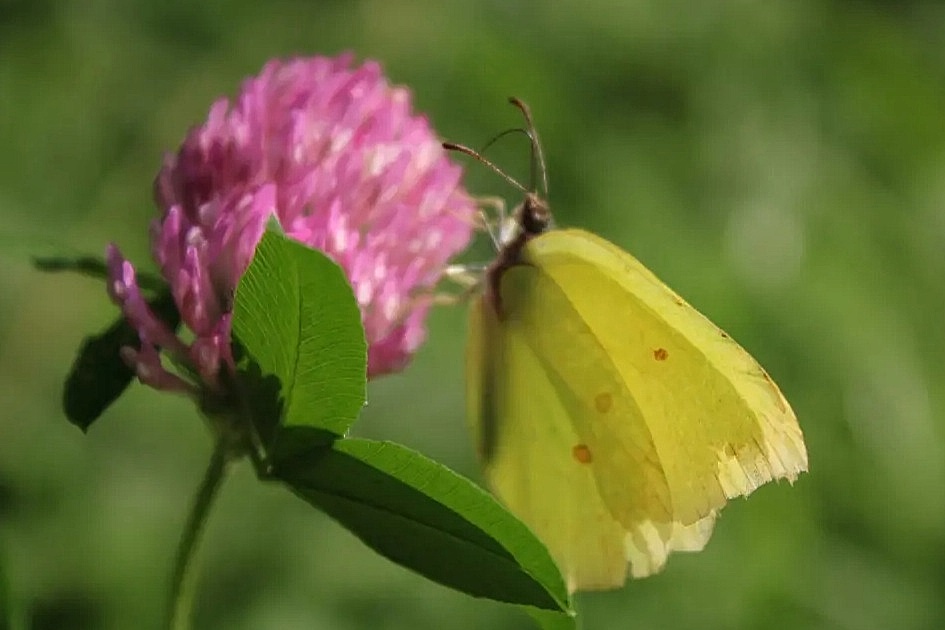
(610, 416)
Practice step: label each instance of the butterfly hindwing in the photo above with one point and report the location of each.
(525, 439)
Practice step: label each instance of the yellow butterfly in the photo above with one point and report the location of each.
(612, 417)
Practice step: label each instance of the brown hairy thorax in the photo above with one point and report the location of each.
(532, 218)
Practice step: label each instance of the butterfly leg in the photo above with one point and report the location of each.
(482, 219)
(492, 222)
(467, 277)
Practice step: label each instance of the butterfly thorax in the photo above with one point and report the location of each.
(530, 219)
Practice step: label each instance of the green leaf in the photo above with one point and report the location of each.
(427, 518)
(297, 321)
(99, 375)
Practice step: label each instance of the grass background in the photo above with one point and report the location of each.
(780, 164)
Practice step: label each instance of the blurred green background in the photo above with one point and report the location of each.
(781, 164)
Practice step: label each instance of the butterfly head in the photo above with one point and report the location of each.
(534, 215)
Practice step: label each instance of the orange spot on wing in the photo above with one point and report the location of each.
(660, 354)
(603, 402)
(582, 454)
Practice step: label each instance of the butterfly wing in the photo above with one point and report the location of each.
(525, 438)
(613, 418)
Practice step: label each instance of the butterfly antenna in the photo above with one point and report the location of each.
(501, 135)
(452, 146)
(538, 157)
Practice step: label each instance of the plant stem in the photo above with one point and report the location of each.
(184, 580)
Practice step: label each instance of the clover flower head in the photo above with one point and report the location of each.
(336, 154)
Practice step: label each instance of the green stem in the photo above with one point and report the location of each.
(184, 581)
